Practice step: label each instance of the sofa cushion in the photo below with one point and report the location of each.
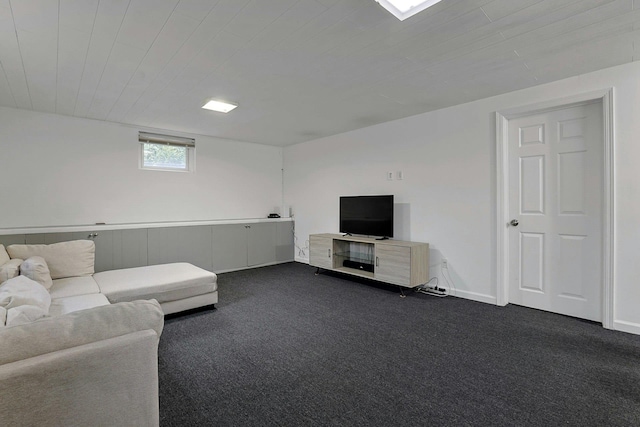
(72, 286)
(3, 316)
(4, 256)
(35, 268)
(164, 282)
(10, 269)
(65, 259)
(66, 305)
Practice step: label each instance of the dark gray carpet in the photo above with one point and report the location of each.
(287, 348)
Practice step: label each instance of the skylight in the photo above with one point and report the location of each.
(403, 9)
(219, 106)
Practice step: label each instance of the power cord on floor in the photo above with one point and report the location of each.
(435, 290)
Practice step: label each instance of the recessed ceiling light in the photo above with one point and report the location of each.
(403, 9)
(219, 106)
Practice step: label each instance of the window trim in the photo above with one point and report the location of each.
(175, 141)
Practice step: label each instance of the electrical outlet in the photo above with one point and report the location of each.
(445, 263)
(389, 176)
(400, 175)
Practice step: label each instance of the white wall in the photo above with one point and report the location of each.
(58, 170)
(448, 195)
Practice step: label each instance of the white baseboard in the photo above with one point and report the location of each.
(474, 296)
(302, 260)
(229, 270)
(630, 327)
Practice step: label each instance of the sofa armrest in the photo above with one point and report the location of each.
(78, 328)
(108, 382)
(91, 367)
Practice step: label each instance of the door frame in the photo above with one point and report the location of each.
(502, 178)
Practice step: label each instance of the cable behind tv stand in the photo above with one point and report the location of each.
(391, 261)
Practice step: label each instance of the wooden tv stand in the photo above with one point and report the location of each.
(391, 261)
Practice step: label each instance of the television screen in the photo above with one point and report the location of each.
(367, 215)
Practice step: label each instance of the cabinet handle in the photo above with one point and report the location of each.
(377, 262)
(329, 253)
(92, 235)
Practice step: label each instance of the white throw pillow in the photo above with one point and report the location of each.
(10, 270)
(35, 268)
(4, 256)
(23, 291)
(65, 259)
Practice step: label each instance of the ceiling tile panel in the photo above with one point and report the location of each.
(358, 64)
(587, 30)
(11, 60)
(203, 36)
(105, 30)
(437, 34)
(144, 21)
(175, 33)
(292, 20)
(72, 53)
(498, 9)
(256, 16)
(6, 97)
(39, 56)
(37, 32)
(35, 15)
(122, 64)
(196, 9)
(555, 17)
(78, 15)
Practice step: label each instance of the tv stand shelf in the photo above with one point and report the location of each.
(391, 261)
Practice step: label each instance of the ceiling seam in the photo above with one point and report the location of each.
(55, 99)
(4, 73)
(108, 57)
(24, 70)
(86, 55)
(144, 57)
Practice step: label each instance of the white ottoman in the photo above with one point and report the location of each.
(177, 286)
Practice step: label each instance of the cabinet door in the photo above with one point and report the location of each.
(129, 248)
(181, 244)
(104, 247)
(393, 264)
(284, 241)
(320, 251)
(12, 239)
(229, 247)
(261, 243)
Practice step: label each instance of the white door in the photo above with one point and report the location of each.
(555, 195)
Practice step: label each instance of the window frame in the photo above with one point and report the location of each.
(187, 143)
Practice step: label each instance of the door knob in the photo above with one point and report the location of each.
(514, 222)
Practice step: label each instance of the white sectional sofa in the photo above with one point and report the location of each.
(176, 286)
(78, 348)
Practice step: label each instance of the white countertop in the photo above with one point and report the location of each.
(130, 226)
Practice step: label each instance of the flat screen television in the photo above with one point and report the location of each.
(367, 215)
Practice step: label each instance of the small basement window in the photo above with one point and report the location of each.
(165, 152)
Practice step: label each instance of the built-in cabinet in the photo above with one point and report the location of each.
(247, 245)
(218, 248)
(397, 262)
